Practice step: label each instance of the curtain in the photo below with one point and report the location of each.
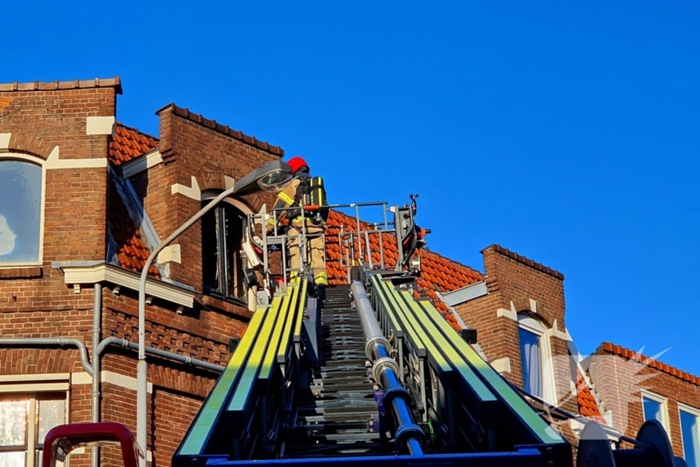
(531, 359)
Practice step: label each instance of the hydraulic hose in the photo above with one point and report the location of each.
(409, 436)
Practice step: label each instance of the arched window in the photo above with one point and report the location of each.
(536, 359)
(21, 206)
(222, 264)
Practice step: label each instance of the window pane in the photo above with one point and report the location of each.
(12, 459)
(13, 423)
(51, 413)
(20, 211)
(39, 459)
(234, 239)
(222, 234)
(691, 442)
(210, 253)
(653, 410)
(531, 361)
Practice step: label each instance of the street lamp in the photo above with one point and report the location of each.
(270, 176)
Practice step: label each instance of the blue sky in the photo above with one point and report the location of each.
(565, 132)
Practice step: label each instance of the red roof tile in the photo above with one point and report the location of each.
(132, 251)
(224, 129)
(60, 85)
(437, 272)
(653, 363)
(129, 143)
(526, 261)
(587, 405)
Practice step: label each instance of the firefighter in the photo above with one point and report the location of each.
(303, 190)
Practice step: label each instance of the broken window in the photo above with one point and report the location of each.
(222, 264)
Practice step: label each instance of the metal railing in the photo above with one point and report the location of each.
(354, 237)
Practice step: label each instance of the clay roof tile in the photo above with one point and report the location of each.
(663, 367)
(129, 143)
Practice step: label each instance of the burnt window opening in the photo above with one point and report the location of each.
(222, 264)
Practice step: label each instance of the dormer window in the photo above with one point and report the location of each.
(536, 359)
(222, 265)
(21, 205)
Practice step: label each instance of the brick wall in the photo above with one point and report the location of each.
(35, 301)
(515, 283)
(57, 117)
(75, 199)
(619, 382)
(189, 148)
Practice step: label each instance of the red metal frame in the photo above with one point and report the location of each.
(63, 439)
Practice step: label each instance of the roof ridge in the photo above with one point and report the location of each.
(223, 129)
(63, 85)
(131, 128)
(525, 260)
(652, 362)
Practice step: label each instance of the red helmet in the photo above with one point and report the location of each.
(297, 163)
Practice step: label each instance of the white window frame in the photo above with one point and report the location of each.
(664, 408)
(27, 387)
(549, 389)
(689, 410)
(41, 163)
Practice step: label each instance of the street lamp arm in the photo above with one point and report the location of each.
(141, 368)
(151, 258)
(270, 176)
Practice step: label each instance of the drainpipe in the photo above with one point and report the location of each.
(158, 353)
(56, 341)
(97, 376)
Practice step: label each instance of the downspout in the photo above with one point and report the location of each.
(96, 377)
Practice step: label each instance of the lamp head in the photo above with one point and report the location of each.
(269, 177)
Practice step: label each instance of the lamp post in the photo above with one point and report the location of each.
(270, 176)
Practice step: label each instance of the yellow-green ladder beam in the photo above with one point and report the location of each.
(462, 374)
(205, 424)
(540, 428)
(389, 322)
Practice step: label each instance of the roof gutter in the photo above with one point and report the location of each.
(465, 294)
(77, 274)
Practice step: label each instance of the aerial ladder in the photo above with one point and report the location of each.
(369, 372)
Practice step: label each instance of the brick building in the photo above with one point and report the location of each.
(633, 387)
(83, 200)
